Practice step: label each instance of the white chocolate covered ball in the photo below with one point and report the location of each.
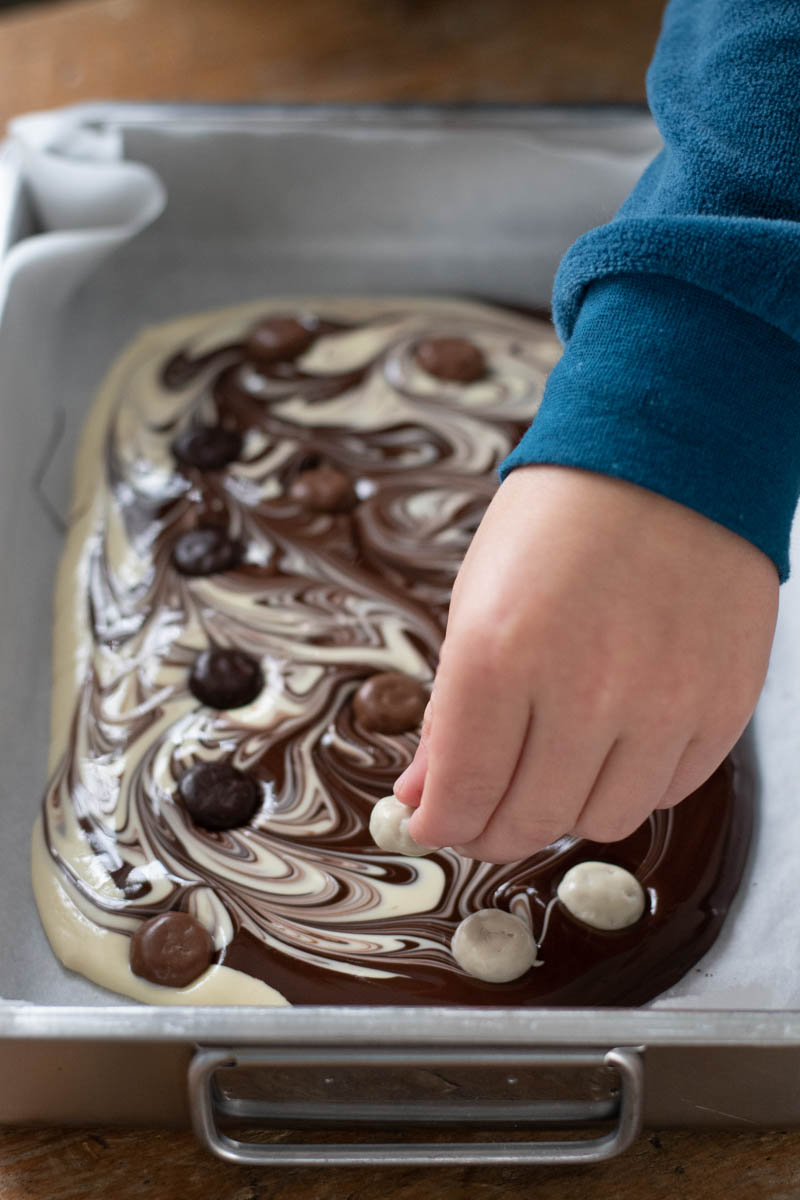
(388, 824)
(494, 945)
(602, 895)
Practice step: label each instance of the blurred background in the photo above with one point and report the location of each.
(561, 51)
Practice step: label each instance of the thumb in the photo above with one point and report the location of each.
(408, 787)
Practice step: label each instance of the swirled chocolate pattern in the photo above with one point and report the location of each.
(336, 484)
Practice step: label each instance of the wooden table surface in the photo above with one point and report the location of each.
(346, 50)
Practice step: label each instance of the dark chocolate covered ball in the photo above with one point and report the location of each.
(324, 489)
(451, 358)
(390, 702)
(206, 551)
(277, 339)
(207, 447)
(225, 678)
(218, 796)
(172, 949)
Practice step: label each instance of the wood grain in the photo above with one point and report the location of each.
(349, 50)
(317, 50)
(60, 1164)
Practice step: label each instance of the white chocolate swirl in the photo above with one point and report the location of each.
(300, 897)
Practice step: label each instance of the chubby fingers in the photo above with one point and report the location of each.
(476, 733)
(506, 792)
(633, 781)
(576, 783)
(408, 787)
(500, 781)
(700, 759)
(555, 773)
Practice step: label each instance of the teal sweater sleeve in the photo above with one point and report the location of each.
(681, 318)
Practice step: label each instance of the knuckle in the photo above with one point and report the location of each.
(538, 834)
(597, 691)
(726, 721)
(492, 640)
(435, 828)
(511, 840)
(606, 830)
(494, 647)
(677, 696)
(523, 839)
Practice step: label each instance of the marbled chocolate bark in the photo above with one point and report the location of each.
(271, 506)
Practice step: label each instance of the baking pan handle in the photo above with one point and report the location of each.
(208, 1105)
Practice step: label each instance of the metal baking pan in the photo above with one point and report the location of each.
(277, 201)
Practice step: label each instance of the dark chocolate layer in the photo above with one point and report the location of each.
(345, 489)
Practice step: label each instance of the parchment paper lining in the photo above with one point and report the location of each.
(279, 206)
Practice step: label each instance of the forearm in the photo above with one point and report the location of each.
(682, 316)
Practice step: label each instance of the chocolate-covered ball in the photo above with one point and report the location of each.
(205, 551)
(207, 447)
(218, 796)
(172, 949)
(324, 489)
(225, 678)
(277, 339)
(451, 358)
(390, 703)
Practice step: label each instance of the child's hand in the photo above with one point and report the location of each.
(605, 649)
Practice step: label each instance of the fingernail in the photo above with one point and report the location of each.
(400, 782)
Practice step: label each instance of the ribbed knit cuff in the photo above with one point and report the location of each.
(670, 387)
